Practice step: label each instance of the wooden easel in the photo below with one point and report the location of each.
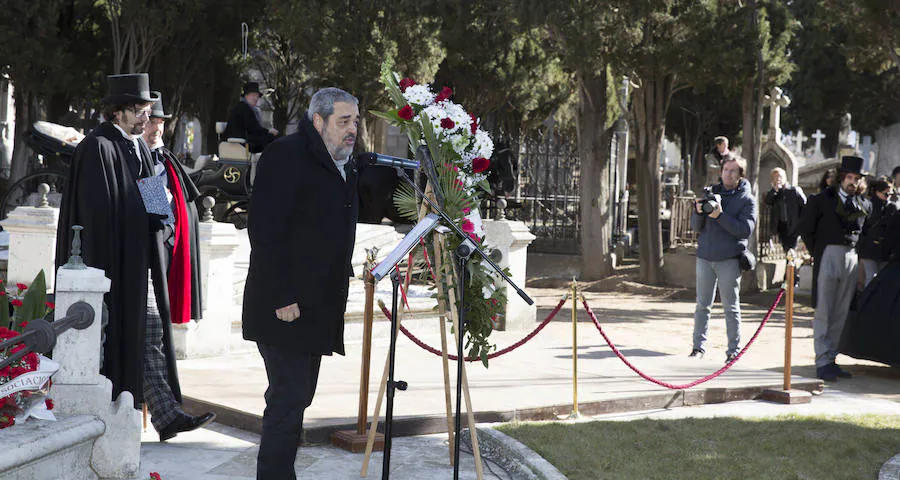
(442, 270)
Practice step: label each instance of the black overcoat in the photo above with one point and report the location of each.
(302, 229)
(191, 193)
(821, 225)
(121, 239)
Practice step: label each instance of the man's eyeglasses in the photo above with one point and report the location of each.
(139, 113)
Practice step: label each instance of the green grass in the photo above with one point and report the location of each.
(785, 447)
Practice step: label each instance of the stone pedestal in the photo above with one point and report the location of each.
(79, 389)
(512, 238)
(32, 244)
(211, 335)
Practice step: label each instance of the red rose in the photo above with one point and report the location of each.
(406, 83)
(22, 286)
(23, 324)
(473, 127)
(49, 403)
(475, 238)
(50, 305)
(16, 302)
(467, 210)
(3, 292)
(445, 94)
(480, 164)
(406, 113)
(468, 226)
(447, 124)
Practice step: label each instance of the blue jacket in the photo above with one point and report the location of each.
(726, 236)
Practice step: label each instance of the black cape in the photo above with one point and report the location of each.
(872, 331)
(121, 239)
(302, 232)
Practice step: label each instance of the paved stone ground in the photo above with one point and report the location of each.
(534, 381)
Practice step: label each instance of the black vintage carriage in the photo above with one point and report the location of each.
(227, 179)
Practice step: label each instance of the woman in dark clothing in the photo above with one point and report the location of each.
(872, 331)
(870, 248)
(827, 179)
(786, 202)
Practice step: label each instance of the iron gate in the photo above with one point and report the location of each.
(547, 195)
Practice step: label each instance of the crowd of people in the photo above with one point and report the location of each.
(850, 229)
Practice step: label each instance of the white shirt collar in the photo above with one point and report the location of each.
(340, 164)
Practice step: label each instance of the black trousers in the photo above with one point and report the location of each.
(292, 384)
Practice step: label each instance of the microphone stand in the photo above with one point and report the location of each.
(463, 252)
(391, 384)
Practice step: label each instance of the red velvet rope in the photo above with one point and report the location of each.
(695, 382)
(496, 354)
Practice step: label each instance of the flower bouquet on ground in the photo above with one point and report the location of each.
(24, 384)
(460, 152)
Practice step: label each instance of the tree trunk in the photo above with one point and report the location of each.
(593, 151)
(26, 114)
(752, 124)
(363, 137)
(650, 103)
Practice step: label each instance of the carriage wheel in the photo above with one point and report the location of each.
(24, 191)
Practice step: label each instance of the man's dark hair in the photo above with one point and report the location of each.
(839, 179)
(730, 157)
(878, 185)
(895, 171)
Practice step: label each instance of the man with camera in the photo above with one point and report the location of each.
(830, 228)
(724, 217)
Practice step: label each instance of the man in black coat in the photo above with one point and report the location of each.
(244, 120)
(830, 227)
(786, 202)
(302, 231)
(123, 239)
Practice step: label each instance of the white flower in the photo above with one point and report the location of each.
(483, 144)
(487, 291)
(419, 95)
(456, 113)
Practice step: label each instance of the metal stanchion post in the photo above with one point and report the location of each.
(574, 415)
(787, 395)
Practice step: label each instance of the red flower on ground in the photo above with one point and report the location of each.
(49, 404)
(480, 164)
(406, 83)
(468, 226)
(23, 324)
(447, 124)
(406, 113)
(16, 303)
(50, 305)
(445, 94)
(21, 286)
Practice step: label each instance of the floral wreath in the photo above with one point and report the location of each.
(460, 152)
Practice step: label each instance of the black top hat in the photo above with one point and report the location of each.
(251, 87)
(852, 165)
(156, 111)
(129, 88)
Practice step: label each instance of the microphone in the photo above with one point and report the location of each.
(371, 158)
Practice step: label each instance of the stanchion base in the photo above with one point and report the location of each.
(574, 416)
(355, 442)
(787, 397)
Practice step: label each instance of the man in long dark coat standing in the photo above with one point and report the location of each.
(123, 239)
(830, 227)
(302, 233)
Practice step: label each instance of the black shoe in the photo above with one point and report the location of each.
(696, 353)
(826, 373)
(185, 423)
(840, 372)
(731, 357)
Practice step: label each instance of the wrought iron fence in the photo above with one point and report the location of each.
(547, 195)
(680, 232)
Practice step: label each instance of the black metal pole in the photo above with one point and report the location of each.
(463, 252)
(391, 384)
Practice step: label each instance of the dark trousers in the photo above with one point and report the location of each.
(292, 384)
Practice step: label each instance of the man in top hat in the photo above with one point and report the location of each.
(244, 120)
(181, 239)
(830, 227)
(125, 240)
